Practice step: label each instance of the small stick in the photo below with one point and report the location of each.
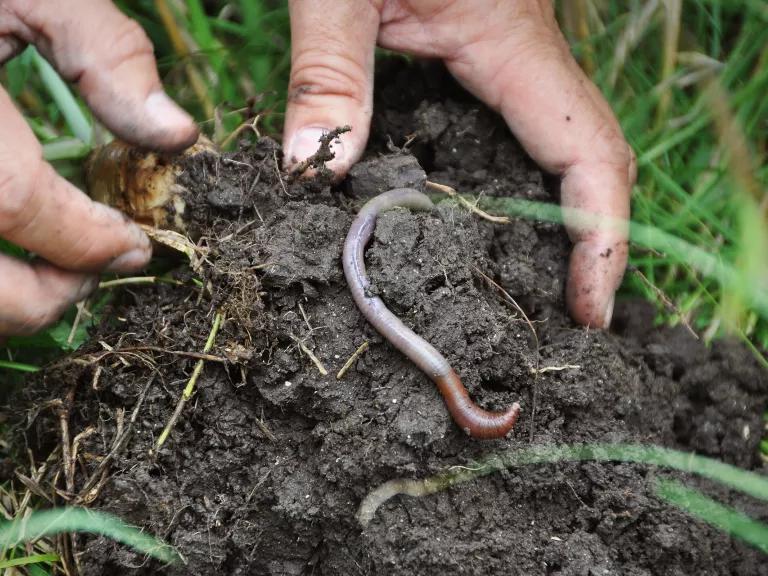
(466, 203)
(555, 368)
(324, 153)
(311, 355)
(190, 387)
(66, 446)
(665, 299)
(252, 124)
(263, 427)
(78, 318)
(94, 483)
(130, 280)
(279, 176)
(118, 351)
(355, 355)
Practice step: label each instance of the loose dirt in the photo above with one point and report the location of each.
(266, 467)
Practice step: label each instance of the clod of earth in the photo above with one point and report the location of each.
(475, 421)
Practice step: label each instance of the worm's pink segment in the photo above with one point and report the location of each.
(475, 421)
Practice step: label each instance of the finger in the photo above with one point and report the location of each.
(567, 127)
(331, 83)
(34, 295)
(47, 215)
(108, 55)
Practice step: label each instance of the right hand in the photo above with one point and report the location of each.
(513, 57)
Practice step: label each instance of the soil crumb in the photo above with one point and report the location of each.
(266, 467)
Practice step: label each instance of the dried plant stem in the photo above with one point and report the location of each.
(355, 355)
(466, 203)
(189, 389)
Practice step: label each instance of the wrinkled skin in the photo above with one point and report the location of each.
(510, 54)
(110, 59)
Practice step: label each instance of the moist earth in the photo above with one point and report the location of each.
(266, 467)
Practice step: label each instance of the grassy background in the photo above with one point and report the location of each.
(687, 79)
(688, 83)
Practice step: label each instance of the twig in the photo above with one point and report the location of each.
(555, 368)
(311, 355)
(324, 153)
(665, 299)
(252, 124)
(130, 280)
(466, 203)
(279, 175)
(189, 390)
(117, 351)
(355, 355)
(92, 487)
(66, 446)
(263, 427)
(76, 323)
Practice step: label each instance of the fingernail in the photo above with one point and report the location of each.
(609, 312)
(165, 113)
(130, 261)
(87, 288)
(142, 240)
(306, 142)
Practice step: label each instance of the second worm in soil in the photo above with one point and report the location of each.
(475, 421)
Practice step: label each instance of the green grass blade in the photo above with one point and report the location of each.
(19, 367)
(27, 560)
(65, 149)
(58, 520)
(727, 519)
(749, 483)
(70, 109)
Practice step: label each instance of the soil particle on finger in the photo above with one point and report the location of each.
(266, 467)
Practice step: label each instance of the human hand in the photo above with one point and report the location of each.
(110, 59)
(513, 57)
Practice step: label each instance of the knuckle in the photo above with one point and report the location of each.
(324, 72)
(17, 191)
(128, 42)
(611, 148)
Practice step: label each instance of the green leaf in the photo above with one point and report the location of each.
(65, 101)
(60, 520)
(27, 560)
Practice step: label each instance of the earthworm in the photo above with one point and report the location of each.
(475, 421)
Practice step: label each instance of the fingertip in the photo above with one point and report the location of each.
(170, 127)
(595, 273)
(130, 261)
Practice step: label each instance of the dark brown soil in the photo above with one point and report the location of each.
(265, 469)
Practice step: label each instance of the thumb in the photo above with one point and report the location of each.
(108, 55)
(331, 85)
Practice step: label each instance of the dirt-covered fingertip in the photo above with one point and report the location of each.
(595, 273)
(169, 127)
